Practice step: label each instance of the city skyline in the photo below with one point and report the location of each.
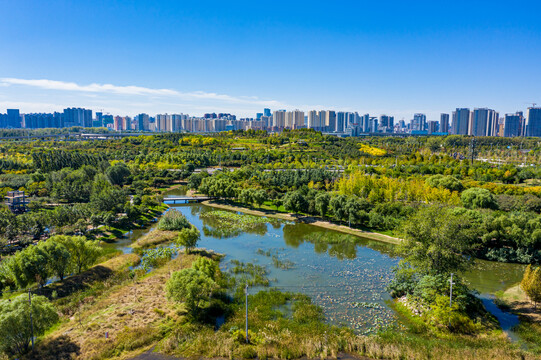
(476, 122)
(127, 57)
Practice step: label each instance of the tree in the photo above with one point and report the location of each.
(338, 207)
(192, 287)
(531, 283)
(83, 252)
(15, 327)
(58, 257)
(29, 266)
(437, 241)
(445, 181)
(194, 180)
(295, 202)
(322, 203)
(207, 266)
(106, 197)
(188, 237)
(259, 197)
(478, 198)
(118, 174)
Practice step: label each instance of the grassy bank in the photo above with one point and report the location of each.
(153, 238)
(312, 220)
(529, 328)
(133, 313)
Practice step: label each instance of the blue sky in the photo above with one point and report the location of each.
(393, 57)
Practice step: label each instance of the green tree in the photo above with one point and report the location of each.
(207, 266)
(15, 327)
(118, 174)
(478, 198)
(259, 197)
(437, 241)
(338, 207)
(295, 202)
(83, 252)
(188, 237)
(191, 287)
(28, 266)
(322, 203)
(58, 257)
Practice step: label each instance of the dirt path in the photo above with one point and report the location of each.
(312, 220)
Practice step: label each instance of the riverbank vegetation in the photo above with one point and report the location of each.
(83, 194)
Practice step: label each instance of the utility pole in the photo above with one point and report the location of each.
(31, 320)
(246, 291)
(451, 293)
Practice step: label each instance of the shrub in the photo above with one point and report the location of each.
(478, 198)
(191, 287)
(173, 220)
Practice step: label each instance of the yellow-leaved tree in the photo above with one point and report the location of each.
(531, 284)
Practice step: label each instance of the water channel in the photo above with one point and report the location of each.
(346, 278)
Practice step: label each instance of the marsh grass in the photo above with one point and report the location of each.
(153, 238)
(224, 224)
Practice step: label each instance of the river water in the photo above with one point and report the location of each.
(346, 277)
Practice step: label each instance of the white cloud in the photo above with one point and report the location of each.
(136, 90)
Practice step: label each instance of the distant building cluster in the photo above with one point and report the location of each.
(462, 121)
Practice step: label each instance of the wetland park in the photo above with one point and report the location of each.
(346, 247)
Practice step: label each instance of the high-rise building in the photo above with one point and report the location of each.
(365, 123)
(484, 122)
(258, 116)
(432, 127)
(512, 125)
(313, 120)
(98, 122)
(279, 119)
(419, 122)
(298, 119)
(142, 122)
(77, 117)
(330, 121)
(117, 125)
(266, 112)
(533, 121)
(13, 118)
(340, 122)
(386, 123)
(461, 120)
(444, 123)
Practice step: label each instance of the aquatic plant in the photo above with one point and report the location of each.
(156, 257)
(228, 224)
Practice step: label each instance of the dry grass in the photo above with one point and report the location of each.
(520, 304)
(155, 237)
(99, 272)
(131, 315)
(312, 220)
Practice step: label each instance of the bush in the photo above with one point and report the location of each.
(478, 198)
(191, 287)
(173, 220)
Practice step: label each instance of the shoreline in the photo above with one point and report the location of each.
(311, 220)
